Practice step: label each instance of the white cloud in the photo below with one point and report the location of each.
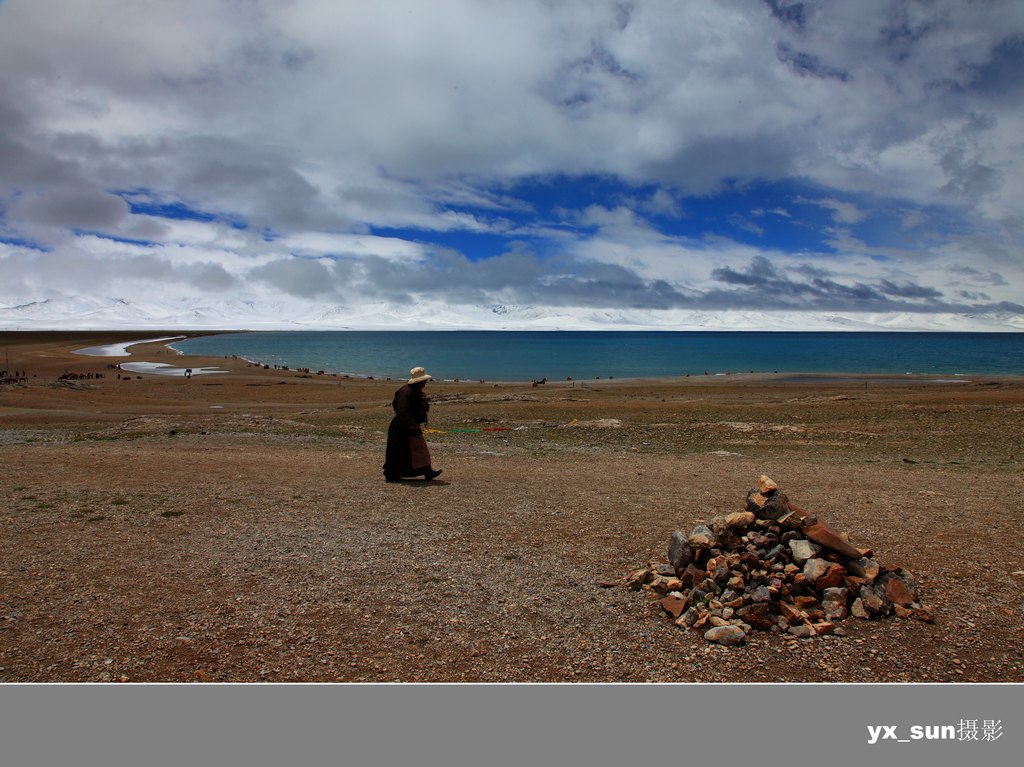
(842, 212)
(350, 245)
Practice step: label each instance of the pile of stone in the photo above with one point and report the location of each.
(774, 567)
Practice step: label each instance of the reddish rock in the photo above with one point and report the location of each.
(897, 591)
(638, 578)
(832, 578)
(792, 613)
(738, 520)
(811, 606)
(853, 583)
(757, 615)
(823, 627)
(692, 575)
(806, 602)
(674, 605)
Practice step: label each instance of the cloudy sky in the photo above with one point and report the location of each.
(825, 156)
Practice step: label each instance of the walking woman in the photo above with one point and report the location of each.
(407, 453)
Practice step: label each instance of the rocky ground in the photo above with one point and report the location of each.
(238, 528)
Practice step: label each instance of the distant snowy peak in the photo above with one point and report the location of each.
(248, 313)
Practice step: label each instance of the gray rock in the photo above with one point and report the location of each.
(802, 631)
(730, 636)
(814, 568)
(760, 594)
(661, 584)
(857, 609)
(702, 536)
(864, 567)
(689, 617)
(802, 550)
(679, 552)
(874, 601)
(710, 587)
(833, 602)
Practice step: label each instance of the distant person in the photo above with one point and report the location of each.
(407, 453)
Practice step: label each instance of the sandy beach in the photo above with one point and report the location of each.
(236, 526)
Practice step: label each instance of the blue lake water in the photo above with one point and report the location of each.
(557, 355)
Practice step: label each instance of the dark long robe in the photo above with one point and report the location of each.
(407, 454)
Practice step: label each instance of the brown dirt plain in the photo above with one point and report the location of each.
(236, 527)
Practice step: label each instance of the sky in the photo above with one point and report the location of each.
(815, 156)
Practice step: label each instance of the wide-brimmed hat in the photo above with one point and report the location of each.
(419, 374)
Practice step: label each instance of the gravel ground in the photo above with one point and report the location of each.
(238, 528)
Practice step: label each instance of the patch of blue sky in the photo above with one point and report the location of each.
(114, 237)
(772, 216)
(545, 194)
(788, 216)
(911, 228)
(474, 245)
(21, 242)
(144, 202)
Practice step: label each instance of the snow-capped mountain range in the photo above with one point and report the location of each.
(95, 313)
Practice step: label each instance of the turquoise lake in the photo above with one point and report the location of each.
(557, 355)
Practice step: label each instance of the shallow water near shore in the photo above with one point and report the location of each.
(580, 355)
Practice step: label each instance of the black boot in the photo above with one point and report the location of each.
(431, 474)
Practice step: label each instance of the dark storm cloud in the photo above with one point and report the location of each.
(82, 209)
(765, 286)
(298, 277)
